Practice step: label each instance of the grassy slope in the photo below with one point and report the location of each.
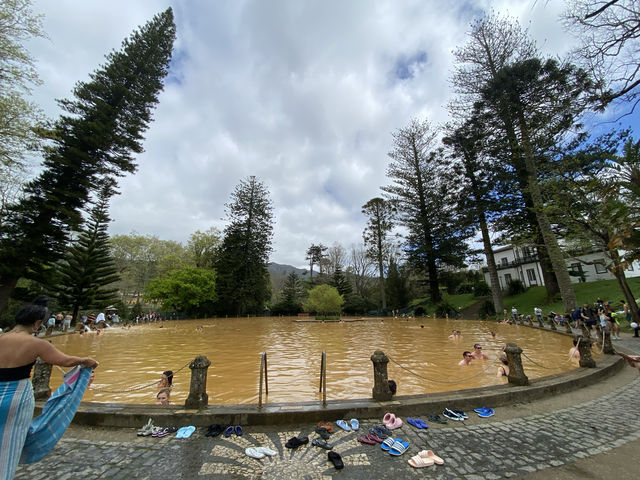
(607, 290)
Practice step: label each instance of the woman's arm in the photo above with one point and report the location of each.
(52, 355)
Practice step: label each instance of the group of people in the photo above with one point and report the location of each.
(478, 354)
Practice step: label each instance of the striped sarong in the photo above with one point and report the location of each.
(57, 413)
(16, 413)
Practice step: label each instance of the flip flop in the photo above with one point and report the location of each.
(419, 462)
(343, 425)
(365, 439)
(238, 430)
(322, 444)
(428, 454)
(380, 431)
(266, 451)
(228, 431)
(480, 410)
(322, 432)
(253, 452)
(398, 447)
(295, 442)
(412, 422)
(214, 430)
(167, 431)
(336, 459)
(374, 437)
(388, 443)
(327, 426)
(421, 423)
(452, 415)
(155, 431)
(486, 413)
(436, 418)
(187, 431)
(355, 424)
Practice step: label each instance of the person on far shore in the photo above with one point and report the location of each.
(466, 359)
(514, 313)
(477, 352)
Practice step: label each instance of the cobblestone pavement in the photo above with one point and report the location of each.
(478, 449)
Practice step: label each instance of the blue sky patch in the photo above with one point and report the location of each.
(406, 67)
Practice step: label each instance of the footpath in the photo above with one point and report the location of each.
(590, 433)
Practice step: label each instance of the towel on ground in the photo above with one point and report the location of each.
(16, 413)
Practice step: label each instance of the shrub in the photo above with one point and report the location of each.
(444, 308)
(515, 287)
(465, 288)
(487, 310)
(481, 289)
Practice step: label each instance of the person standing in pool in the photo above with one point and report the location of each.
(466, 359)
(477, 352)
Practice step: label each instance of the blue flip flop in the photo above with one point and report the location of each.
(355, 424)
(388, 443)
(421, 423)
(343, 425)
(238, 430)
(229, 431)
(412, 421)
(398, 447)
(185, 432)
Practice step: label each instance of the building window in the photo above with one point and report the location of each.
(507, 278)
(531, 276)
(600, 268)
(504, 261)
(630, 267)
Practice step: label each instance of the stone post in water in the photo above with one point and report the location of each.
(381, 391)
(40, 380)
(584, 347)
(198, 397)
(516, 372)
(567, 326)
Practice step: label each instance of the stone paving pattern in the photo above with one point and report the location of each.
(487, 449)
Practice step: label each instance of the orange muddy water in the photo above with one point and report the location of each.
(427, 360)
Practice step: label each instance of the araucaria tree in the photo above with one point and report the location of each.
(379, 224)
(424, 205)
(315, 255)
(243, 279)
(97, 138)
(88, 272)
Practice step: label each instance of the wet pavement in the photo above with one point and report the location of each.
(522, 439)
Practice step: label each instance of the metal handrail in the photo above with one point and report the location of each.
(263, 375)
(323, 378)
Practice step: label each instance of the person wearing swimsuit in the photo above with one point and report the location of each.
(19, 350)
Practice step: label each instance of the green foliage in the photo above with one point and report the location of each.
(87, 273)
(191, 290)
(445, 308)
(356, 305)
(340, 282)
(19, 117)
(481, 289)
(487, 310)
(243, 278)
(291, 297)
(397, 285)
(96, 139)
(203, 247)
(324, 300)
(515, 287)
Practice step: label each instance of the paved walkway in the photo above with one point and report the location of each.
(541, 438)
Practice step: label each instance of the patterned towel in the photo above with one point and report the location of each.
(16, 413)
(57, 413)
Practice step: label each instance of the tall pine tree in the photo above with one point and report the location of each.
(243, 279)
(97, 138)
(88, 272)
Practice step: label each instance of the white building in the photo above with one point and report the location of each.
(522, 263)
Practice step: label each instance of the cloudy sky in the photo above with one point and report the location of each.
(302, 94)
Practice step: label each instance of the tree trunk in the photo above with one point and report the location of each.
(569, 301)
(381, 270)
(7, 286)
(548, 275)
(496, 292)
(618, 272)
